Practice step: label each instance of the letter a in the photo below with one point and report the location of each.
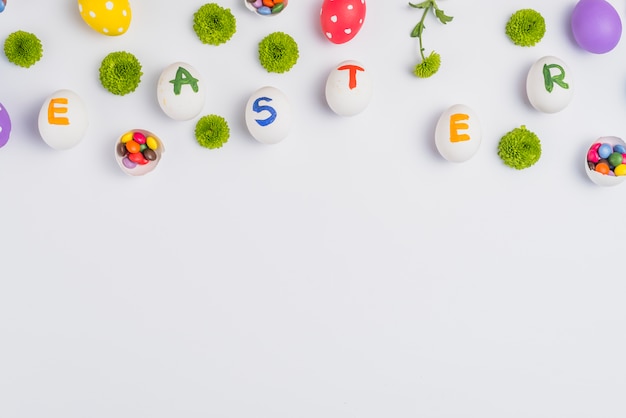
(184, 77)
(456, 125)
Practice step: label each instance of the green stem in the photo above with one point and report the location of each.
(421, 22)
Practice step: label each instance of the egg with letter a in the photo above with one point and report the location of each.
(268, 115)
(109, 17)
(458, 133)
(348, 88)
(341, 20)
(63, 120)
(5, 126)
(180, 91)
(549, 85)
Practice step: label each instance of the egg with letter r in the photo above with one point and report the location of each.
(549, 85)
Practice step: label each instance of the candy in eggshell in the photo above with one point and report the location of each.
(109, 17)
(605, 162)
(458, 133)
(549, 85)
(180, 91)
(341, 20)
(138, 152)
(268, 115)
(63, 120)
(348, 88)
(266, 7)
(5, 126)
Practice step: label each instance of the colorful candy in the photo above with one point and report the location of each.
(138, 152)
(605, 161)
(266, 7)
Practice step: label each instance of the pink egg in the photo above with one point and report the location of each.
(341, 20)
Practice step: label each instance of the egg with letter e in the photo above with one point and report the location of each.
(5, 126)
(341, 20)
(549, 85)
(268, 115)
(458, 133)
(63, 120)
(348, 88)
(109, 17)
(180, 91)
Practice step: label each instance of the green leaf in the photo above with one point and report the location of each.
(422, 5)
(443, 18)
(417, 30)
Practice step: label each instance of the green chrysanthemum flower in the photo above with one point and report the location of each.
(278, 52)
(120, 73)
(429, 66)
(526, 27)
(214, 24)
(23, 48)
(519, 148)
(212, 131)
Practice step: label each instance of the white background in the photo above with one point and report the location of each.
(348, 271)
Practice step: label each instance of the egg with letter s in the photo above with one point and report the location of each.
(341, 20)
(458, 133)
(180, 91)
(549, 85)
(109, 17)
(348, 88)
(5, 126)
(63, 120)
(268, 115)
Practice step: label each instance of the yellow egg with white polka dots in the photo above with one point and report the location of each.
(109, 17)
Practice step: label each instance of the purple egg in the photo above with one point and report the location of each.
(5, 126)
(596, 26)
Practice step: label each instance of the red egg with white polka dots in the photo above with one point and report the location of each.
(341, 20)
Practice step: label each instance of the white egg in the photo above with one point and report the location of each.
(268, 115)
(63, 120)
(348, 88)
(458, 133)
(180, 91)
(549, 85)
